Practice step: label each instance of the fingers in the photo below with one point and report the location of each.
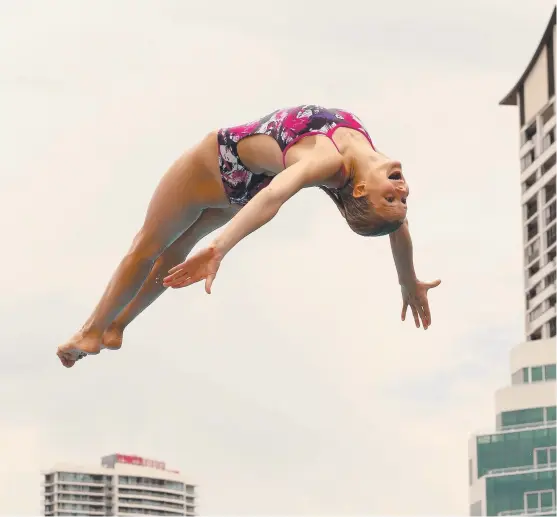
(431, 285)
(416, 316)
(209, 283)
(183, 282)
(423, 316)
(177, 276)
(427, 313)
(404, 309)
(175, 269)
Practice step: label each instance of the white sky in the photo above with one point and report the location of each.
(293, 388)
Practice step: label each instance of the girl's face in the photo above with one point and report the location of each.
(386, 189)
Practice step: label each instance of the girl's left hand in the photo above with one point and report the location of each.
(414, 295)
(201, 266)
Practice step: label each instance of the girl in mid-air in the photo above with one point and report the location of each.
(244, 174)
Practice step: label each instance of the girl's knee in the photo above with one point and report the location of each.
(147, 247)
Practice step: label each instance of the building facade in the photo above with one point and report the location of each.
(513, 469)
(121, 485)
(534, 94)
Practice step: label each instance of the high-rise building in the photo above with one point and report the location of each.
(534, 94)
(121, 485)
(513, 469)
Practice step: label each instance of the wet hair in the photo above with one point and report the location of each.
(360, 214)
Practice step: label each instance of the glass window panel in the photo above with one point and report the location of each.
(517, 449)
(525, 374)
(551, 413)
(537, 374)
(522, 417)
(542, 456)
(532, 501)
(546, 499)
(553, 455)
(550, 372)
(506, 493)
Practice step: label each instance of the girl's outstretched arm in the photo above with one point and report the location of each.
(414, 292)
(403, 254)
(312, 170)
(266, 204)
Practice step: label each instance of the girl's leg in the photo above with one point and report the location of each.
(210, 220)
(177, 203)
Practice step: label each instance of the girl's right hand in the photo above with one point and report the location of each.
(201, 266)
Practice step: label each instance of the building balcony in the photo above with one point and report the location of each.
(546, 510)
(149, 507)
(532, 425)
(541, 179)
(527, 146)
(541, 296)
(511, 471)
(547, 268)
(542, 319)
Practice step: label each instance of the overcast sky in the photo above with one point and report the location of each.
(294, 388)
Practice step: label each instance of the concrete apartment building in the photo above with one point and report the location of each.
(513, 470)
(122, 485)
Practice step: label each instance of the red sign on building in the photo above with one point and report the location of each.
(138, 460)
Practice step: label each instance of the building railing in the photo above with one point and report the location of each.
(517, 427)
(514, 470)
(531, 425)
(533, 511)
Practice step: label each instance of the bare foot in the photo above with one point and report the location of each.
(78, 346)
(112, 337)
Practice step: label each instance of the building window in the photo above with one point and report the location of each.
(550, 256)
(528, 159)
(548, 164)
(535, 501)
(533, 269)
(81, 478)
(548, 141)
(549, 190)
(511, 449)
(551, 413)
(533, 292)
(548, 113)
(551, 327)
(550, 213)
(534, 336)
(522, 417)
(537, 374)
(530, 180)
(536, 313)
(530, 132)
(549, 372)
(531, 207)
(550, 279)
(551, 236)
(532, 229)
(533, 251)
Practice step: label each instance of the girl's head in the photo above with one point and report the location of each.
(373, 200)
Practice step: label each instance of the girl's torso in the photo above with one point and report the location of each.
(247, 165)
